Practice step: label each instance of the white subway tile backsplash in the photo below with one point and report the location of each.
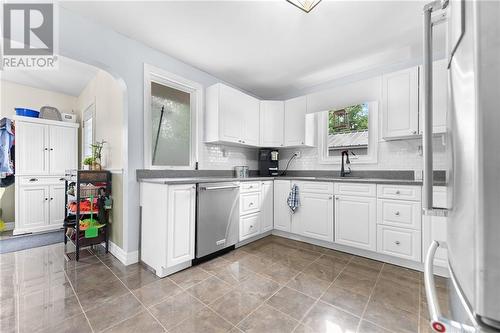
(220, 157)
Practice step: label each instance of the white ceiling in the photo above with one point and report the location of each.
(70, 78)
(270, 48)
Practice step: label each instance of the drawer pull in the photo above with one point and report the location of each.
(330, 198)
(251, 226)
(396, 213)
(251, 186)
(33, 179)
(398, 192)
(250, 204)
(51, 199)
(397, 242)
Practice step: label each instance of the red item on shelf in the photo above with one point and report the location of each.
(84, 206)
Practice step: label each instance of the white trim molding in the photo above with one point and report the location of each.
(373, 138)
(196, 91)
(127, 258)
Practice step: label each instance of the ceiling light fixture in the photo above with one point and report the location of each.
(305, 5)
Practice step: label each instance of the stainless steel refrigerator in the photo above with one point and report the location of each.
(473, 144)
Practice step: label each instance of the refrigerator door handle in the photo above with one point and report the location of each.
(428, 177)
(438, 322)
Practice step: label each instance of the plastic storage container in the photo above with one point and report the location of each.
(27, 112)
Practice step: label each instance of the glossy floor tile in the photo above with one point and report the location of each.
(271, 285)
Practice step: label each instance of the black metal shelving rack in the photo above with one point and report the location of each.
(101, 179)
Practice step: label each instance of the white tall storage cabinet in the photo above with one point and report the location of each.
(45, 149)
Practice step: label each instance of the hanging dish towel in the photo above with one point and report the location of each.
(293, 198)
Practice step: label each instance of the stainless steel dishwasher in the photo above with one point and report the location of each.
(217, 217)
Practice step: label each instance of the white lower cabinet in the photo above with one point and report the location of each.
(356, 222)
(282, 213)
(180, 224)
(266, 206)
(167, 226)
(249, 226)
(399, 242)
(314, 217)
(39, 204)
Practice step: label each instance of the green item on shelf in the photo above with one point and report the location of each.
(91, 232)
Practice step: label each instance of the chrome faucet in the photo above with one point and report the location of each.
(346, 165)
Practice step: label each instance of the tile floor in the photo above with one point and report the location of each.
(272, 285)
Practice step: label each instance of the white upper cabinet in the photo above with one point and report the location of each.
(62, 152)
(32, 148)
(231, 116)
(298, 127)
(400, 103)
(45, 147)
(272, 117)
(439, 97)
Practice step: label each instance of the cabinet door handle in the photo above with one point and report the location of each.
(51, 149)
(336, 198)
(33, 179)
(46, 199)
(51, 199)
(397, 242)
(398, 192)
(61, 179)
(46, 149)
(250, 204)
(330, 198)
(396, 213)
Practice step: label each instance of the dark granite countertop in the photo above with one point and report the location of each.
(196, 180)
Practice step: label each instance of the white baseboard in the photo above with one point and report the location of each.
(127, 258)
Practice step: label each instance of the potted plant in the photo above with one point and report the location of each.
(87, 163)
(97, 154)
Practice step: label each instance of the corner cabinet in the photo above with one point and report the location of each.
(272, 117)
(232, 117)
(167, 226)
(45, 149)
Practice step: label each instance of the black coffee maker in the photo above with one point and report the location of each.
(268, 162)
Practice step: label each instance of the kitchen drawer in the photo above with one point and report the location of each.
(399, 242)
(399, 213)
(249, 187)
(41, 180)
(366, 190)
(402, 192)
(249, 203)
(249, 226)
(315, 187)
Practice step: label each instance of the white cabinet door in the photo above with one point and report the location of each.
(266, 207)
(272, 117)
(400, 103)
(230, 114)
(34, 206)
(251, 120)
(282, 214)
(315, 216)
(439, 97)
(56, 205)
(32, 149)
(180, 223)
(62, 149)
(356, 221)
(295, 113)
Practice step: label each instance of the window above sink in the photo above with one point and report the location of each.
(353, 128)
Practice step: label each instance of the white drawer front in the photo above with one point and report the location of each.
(315, 187)
(399, 213)
(249, 187)
(367, 190)
(41, 180)
(249, 203)
(398, 242)
(249, 226)
(402, 192)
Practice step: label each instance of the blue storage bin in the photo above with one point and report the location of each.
(27, 112)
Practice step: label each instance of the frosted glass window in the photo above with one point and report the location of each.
(170, 126)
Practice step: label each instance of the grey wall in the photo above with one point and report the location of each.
(89, 42)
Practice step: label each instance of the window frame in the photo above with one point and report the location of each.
(160, 76)
(373, 138)
(88, 113)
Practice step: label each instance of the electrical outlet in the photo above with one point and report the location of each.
(297, 154)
